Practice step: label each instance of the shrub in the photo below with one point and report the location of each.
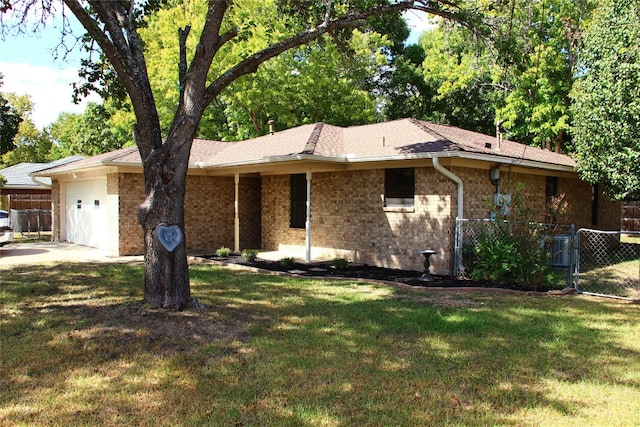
(340, 264)
(249, 255)
(513, 252)
(286, 262)
(223, 251)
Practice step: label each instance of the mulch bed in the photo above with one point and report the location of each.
(365, 272)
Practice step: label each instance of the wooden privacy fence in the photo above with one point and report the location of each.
(630, 220)
(30, 201)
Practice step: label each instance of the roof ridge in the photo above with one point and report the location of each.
(310, 146)
(425, 127)
(121, 152)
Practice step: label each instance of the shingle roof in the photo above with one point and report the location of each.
(395, 139)
(201, 150)
(18, 176)
(398, 139)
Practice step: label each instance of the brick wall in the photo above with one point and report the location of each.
(130, 191)
(113, 205)
(209, 213)
(249, 212)
(349, 219)
(478, 186)
(609, 216)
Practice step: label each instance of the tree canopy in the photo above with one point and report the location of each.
(9, 121)
(606, 104)
(29, 143)
(518, 75)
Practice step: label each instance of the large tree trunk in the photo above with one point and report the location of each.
(166, 282)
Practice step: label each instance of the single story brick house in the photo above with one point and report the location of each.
(377, 193)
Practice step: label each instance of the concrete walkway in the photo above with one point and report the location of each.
(40, 253)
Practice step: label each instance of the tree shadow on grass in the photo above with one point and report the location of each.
(282, 351)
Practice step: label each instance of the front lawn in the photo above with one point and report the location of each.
(77, 349)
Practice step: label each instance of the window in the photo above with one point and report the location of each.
(399, 187)
(298, 201)
(552, 187)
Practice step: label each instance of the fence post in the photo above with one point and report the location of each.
(572, 260)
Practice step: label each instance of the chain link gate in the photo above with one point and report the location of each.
(608, 263)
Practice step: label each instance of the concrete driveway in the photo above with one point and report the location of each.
(39, 253)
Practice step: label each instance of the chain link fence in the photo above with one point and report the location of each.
(608, 263)
(554, 240)
(27, 221)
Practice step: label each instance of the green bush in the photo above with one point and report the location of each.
(287, 262)
(223, 251)
(512, 253)
(249, 255)
(513, 250)
(340, 264)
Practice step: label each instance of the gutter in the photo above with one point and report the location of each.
(350, 158)
(437, 166)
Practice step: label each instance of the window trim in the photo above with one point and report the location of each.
(298, 201)
(398, 184)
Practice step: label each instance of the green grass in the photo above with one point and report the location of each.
(269, 350)
(620, 279)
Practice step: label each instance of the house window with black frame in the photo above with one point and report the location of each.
(552, 187)
(399, 187)
(298, 201)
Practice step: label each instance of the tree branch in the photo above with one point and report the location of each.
(352, 20)
(119, 41)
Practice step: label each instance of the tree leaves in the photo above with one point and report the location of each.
(606, 103)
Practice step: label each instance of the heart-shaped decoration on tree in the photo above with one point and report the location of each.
(170, 236)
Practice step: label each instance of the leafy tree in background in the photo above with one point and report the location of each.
(89, 133)
(233, 42)
(606, 109)
(459, 73)
(318, 82)
(9, 122)
(326, 80)
(538, 58)
(30, 144)
(519, 76)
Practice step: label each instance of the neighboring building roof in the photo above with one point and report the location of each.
(394, 140)
(19, 176)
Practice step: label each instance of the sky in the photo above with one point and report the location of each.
(29, 68)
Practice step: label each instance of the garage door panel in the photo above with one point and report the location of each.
(86, 213)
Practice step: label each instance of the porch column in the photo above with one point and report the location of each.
(307, 224)
(236, 224)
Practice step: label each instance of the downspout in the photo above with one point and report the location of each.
(457, 265)
(307, 224)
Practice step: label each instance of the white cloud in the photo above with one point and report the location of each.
(49, 87)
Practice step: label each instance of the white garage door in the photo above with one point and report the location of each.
(86, 213)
